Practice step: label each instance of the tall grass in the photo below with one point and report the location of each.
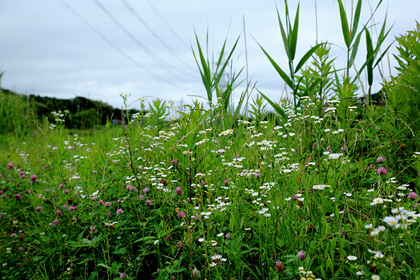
(16, 114)
(327, 189)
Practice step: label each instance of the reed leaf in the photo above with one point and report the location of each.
(356, 20)
(344, 24)
(282, 74)
(284, 36)
(306, 57)
(276, 107)
(369, 58)
(204, 68)
(293, 33)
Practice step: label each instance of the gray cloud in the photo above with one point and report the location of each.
(47, 49)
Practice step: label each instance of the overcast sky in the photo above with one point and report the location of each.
(101, 48)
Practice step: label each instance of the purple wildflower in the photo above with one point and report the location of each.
(18, 196)
(107, 204)
(381, 170)
(94, 171)
(145, 190)
(141, 197)
(148, 202)
(181, 214)
(38, 209)
(301, 255)
(120, 211)
(34, 178)
(10, 165)
(72, 208)
(93, 229)
(58, 213)
(178, 190)
(279, 267)
(412, 195)
(381, 159)
(174, 162)
(56, 222)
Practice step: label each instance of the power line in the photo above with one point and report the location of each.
(137, 16)
(115, 47)
(152, 55)
(168, 25)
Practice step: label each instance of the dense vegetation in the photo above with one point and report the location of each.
(324, 188)
(76, 113)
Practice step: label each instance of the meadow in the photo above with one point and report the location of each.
(317, 186)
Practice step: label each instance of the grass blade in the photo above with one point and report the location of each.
(344, 24)
(355, 47)
(369, 57)
(282, 74)
(276, 107)
(293, 33)
(284, 36)
(356, 20)
(306, 57)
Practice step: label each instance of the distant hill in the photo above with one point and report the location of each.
(82, 112)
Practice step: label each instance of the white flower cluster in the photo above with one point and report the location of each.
(226, 132)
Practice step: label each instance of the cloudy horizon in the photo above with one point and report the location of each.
(99, 49)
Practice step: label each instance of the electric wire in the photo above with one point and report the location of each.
(169, 47)
(91, 27)
(165, 65)
(168, 25)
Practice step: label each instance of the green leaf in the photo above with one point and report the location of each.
(284, 36)
(276, 107)
(306, 57)
(294, 36)
(369, 57)
(356, 19)
(344, 24)
(282, 74)
(145, 239)
(355, 48)
(204, 69)
(110, 269)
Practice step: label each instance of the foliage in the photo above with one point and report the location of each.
(289, 36)
(12, 108)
